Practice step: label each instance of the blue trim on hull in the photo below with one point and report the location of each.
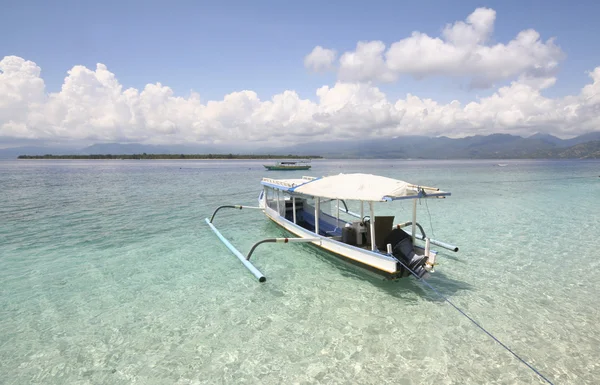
(373, 253)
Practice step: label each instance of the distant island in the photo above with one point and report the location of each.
(167, 156)
(494, 146)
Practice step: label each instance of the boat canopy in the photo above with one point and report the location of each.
(361, 187)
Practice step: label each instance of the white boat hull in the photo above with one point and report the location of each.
(371, 260)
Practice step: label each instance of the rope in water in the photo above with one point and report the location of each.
(465, 314)
(476, 324)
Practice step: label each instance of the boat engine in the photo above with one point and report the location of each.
(403, 249)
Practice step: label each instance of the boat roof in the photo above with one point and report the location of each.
(361, 187)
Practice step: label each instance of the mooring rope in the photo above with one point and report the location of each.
(476, 323)
(430, 221)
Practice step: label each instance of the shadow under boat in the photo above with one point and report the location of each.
(444, 284)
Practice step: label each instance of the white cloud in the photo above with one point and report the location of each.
(477, 29)
(320, 59)
(92, 106)
(366, 63)
(21, 89)
(463, 50)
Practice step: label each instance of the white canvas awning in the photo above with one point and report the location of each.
(362, 187)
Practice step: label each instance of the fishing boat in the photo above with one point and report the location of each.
(289, 165)
(315, 210)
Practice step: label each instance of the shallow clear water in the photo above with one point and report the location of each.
(109, 275)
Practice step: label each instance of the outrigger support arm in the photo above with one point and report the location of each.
(424, 237)
(280, 240)
(232, 207)
(405, 224)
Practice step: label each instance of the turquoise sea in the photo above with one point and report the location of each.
(109, 275)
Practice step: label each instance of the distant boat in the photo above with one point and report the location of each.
(289, 165)
(502, 164)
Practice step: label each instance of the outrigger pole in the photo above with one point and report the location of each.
(246, 259)
(249, 266)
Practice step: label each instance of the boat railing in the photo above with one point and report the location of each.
(279, 182)
(421, 236)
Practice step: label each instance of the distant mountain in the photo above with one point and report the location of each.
(495, 146)
(587, 150)
(592, 136)
(551, 139)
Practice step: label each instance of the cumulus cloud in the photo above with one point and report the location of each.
(21, 89)
(92, 106)
(320, 59)
(463, 50)
(366, 63)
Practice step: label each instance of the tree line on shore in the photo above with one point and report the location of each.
(168, 156)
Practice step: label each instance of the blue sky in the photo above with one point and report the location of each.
(216, 48)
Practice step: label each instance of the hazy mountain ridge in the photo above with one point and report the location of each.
(495, 146)
(587, 150)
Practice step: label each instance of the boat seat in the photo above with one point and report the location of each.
(383, 227)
